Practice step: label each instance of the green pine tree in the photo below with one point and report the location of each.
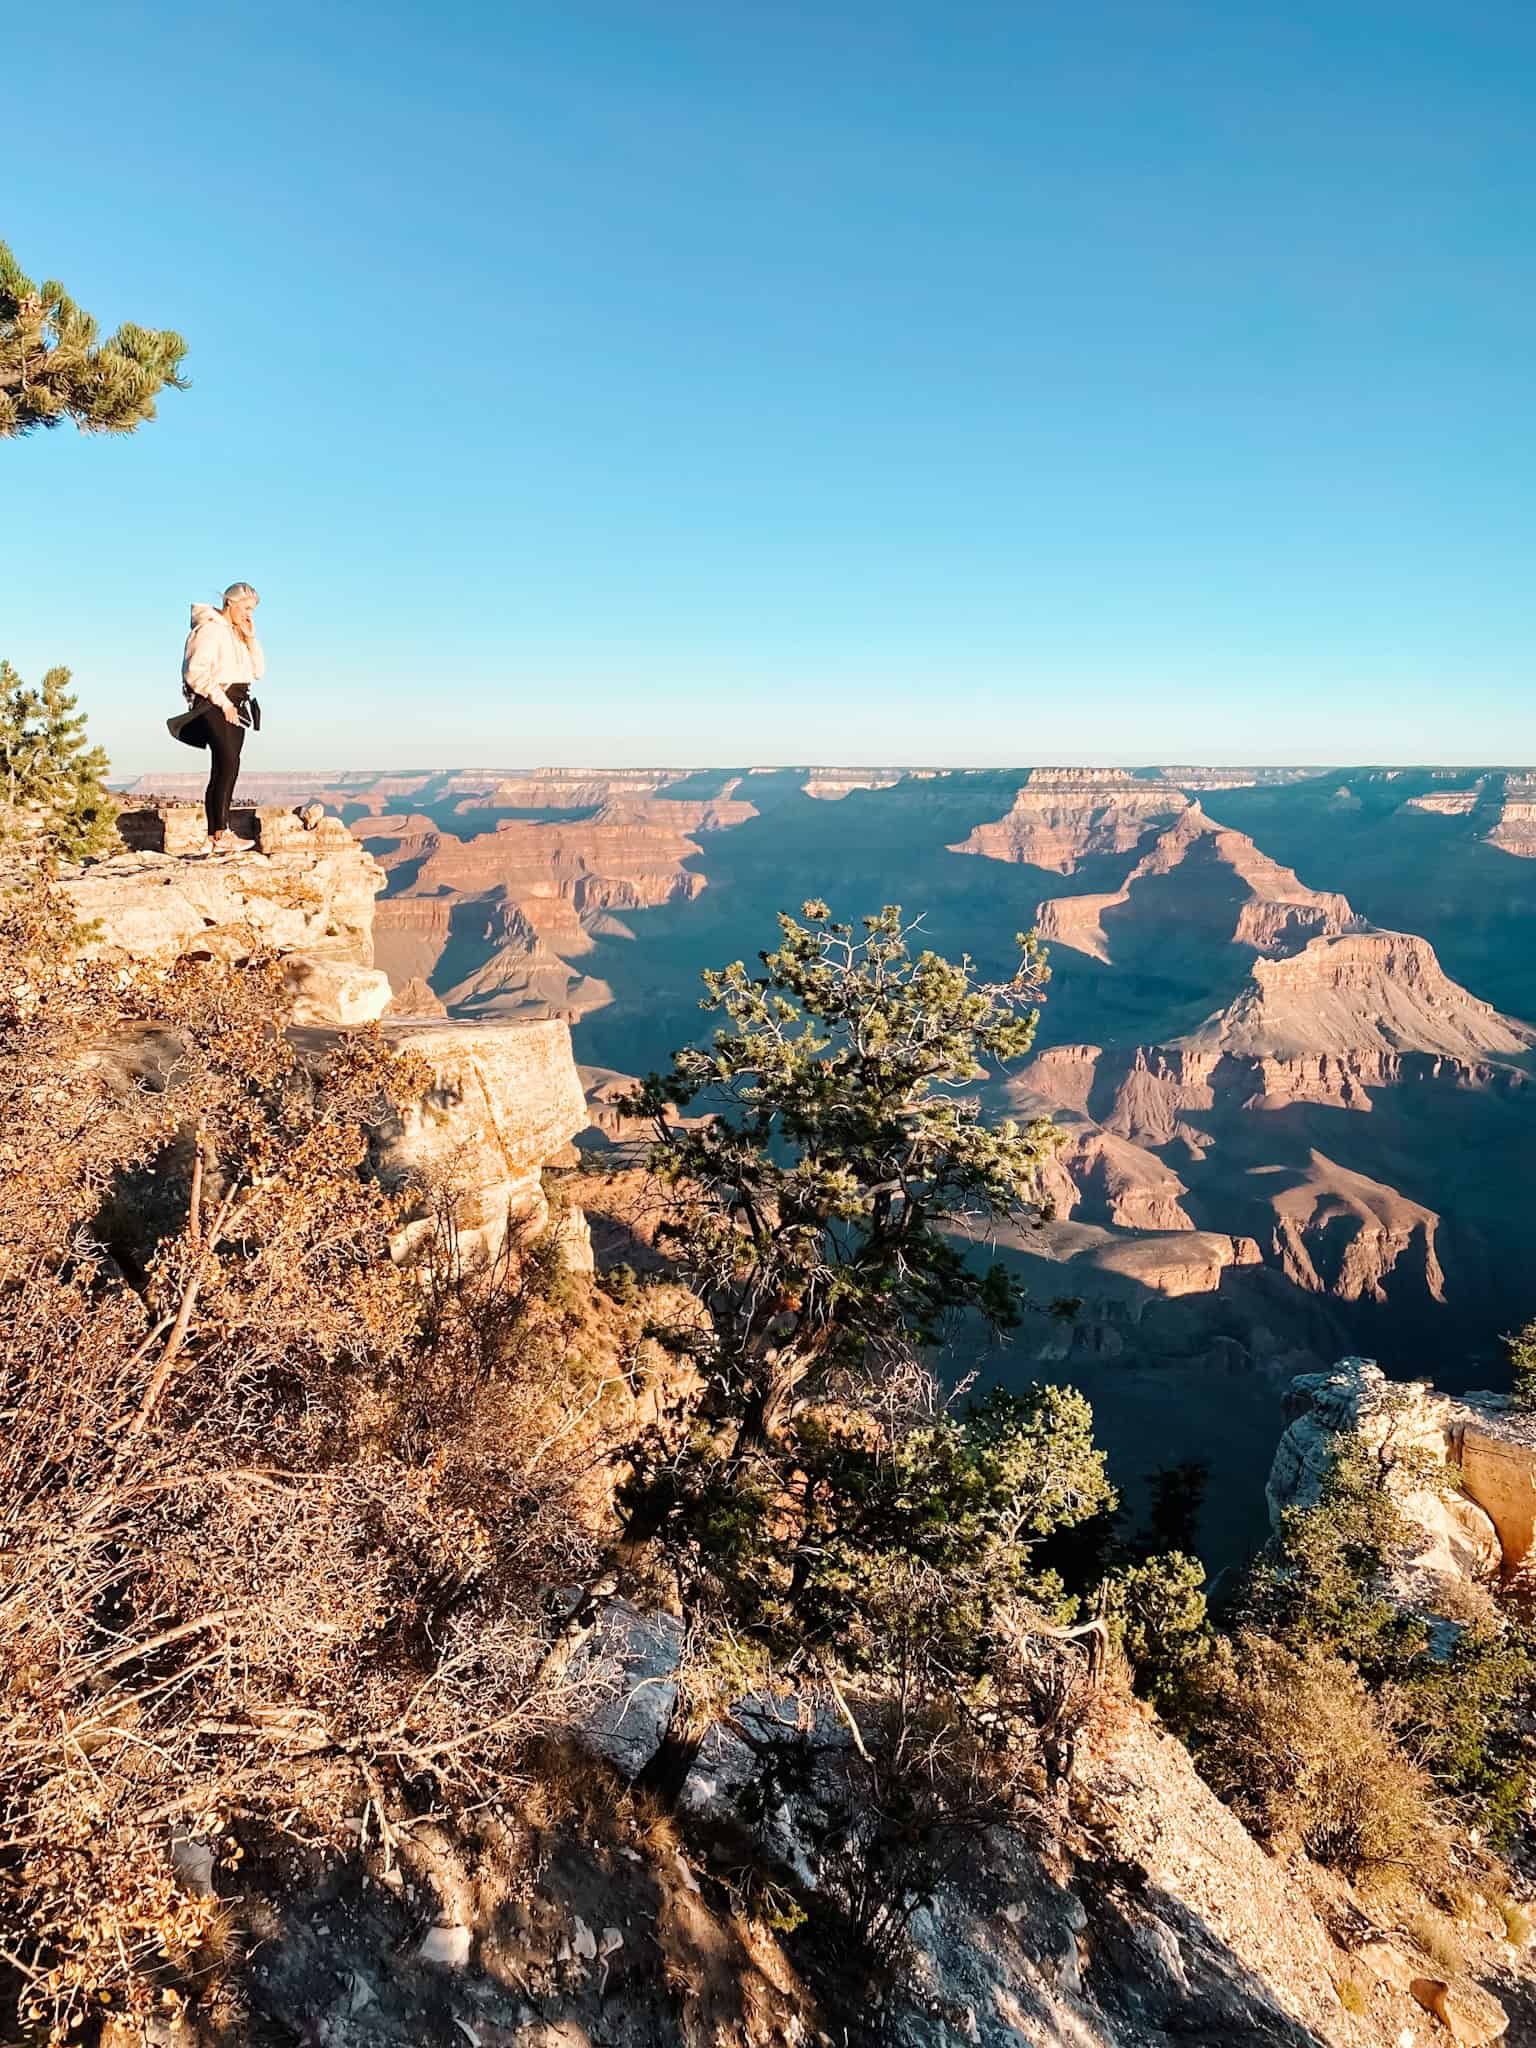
(53, 367)
(1521, 1347)
(52, 780)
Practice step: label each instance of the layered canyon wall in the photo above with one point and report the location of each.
(498, 1101)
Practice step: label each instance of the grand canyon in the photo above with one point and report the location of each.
(1287, 1042)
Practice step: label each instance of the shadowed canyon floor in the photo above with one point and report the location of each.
(1288, 1038)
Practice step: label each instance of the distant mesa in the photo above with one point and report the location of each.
(1360, 993)
(1515, 828)
(832, 784)
(1253, 901)
(1061, 816)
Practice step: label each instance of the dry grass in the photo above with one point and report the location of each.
(1309, 1759)
(1440, 1940)
(274, 1517)
(1354, 1996)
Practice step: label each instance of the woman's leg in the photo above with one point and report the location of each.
(224, 744)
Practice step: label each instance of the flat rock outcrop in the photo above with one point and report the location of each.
(1463, 1469)
(501, 1102)
(304, 891)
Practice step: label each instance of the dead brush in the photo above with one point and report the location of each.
(259, 1541)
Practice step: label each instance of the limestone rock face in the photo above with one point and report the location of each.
(630, 1663)
(1463, 1470)
(1177, 1927)
(303, 891)
(502, 1101)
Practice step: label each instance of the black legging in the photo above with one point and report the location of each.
(224, 744)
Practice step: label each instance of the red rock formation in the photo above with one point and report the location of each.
(1341, 1233)
(1107, 1179)
(1352, 1018)
(529, 895)
(1062, 815)
(1360, 993)
(1265, 906)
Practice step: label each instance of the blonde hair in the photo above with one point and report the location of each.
(241, 631)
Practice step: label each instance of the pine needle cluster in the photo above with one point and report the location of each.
(54, 366)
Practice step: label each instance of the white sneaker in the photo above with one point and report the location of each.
(226, 842)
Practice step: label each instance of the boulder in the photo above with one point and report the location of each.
(447, 1944)
(335, 991)
(500, 1102)
(628, 1666)
(1471, 2016)
(1463, 1469)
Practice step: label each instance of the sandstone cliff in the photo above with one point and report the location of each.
(301, 889)
(502, 1100)
(1462, 1469)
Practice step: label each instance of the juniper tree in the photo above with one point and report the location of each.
(812, 1203)
(52, 780)
(814, 1493)
(54, 367)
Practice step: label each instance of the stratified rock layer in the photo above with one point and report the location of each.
(303, 891)
(501, 1101)
(1233, 893)
(1061, 816)
(1360, 992)
(1462, 1469)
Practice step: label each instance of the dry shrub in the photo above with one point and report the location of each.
(273, 1515)
(1438, 1938)
(1354, 1995)
(1310, 1760)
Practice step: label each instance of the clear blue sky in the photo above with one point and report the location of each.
(712, 381)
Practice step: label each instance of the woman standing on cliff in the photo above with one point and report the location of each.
(221, 660)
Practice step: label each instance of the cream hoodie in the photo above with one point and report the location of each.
(215, 657)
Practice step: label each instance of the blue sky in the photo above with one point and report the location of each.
(703, 382)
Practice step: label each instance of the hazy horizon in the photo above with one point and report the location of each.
(187, 764)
